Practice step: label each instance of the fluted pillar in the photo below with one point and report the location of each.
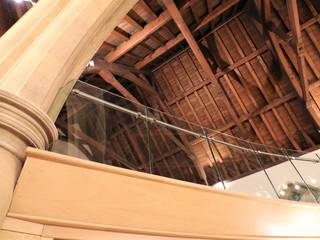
(41, 57)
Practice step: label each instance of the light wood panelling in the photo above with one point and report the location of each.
(139, 203)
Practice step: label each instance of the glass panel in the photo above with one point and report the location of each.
(102, 126)
(170, 149)
(308, 165)
(90, 130)
(238, 158)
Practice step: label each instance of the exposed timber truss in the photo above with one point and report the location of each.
(248, 68)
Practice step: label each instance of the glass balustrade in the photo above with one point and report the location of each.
(104, 127)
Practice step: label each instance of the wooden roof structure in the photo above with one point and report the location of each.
(247, 68)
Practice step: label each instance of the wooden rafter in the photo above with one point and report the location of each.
(296, 31)
(218, 11)
(119, 70)
(275, 84)
(177, 17)
(274, 44)
(109, 77)
(179, 38)
(100, 146)
(157, 53)
(183, 137)
(138, 37)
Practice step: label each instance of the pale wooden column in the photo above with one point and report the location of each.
(41, 57)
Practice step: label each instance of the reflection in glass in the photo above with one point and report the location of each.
(101, 126)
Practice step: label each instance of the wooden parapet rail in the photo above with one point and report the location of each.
(63, 191)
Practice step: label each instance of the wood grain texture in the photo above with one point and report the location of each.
(95, 196)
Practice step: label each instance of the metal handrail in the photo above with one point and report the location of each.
(171, 126)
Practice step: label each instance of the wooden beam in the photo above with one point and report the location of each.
(119, 35)
(275, 84)
(296, 31)
(219, 10)
(177, 17)
(182, 136)
(179, 38)
(274, 44)
(157, 53)
(139, 37)
(139, 82)
(149, 29)
(134, 143)
(246, 117)
(132, 22)
(103, 148)
(120, 70)
(220, 74)
(109, 78)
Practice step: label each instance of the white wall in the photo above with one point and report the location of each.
(281, 174)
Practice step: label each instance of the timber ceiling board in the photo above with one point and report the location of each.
(145, 13)
(254, 90)
(259, 93)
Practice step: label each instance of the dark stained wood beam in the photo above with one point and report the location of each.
(273, 104)
(212, 48)
(296, 31)
(116, 67)
(182, 136)
(147, 8)
(119, 35)
(219, 10)
(132, 22)
(285, 64)
(178, 39)
(109, 78)
(256, 78)
(280, 92)
(126, 73)
(106, 47)
(101, 147)
(139, 82)
(132, 141)
(157, 53)
(274, 44)
(311, 106)
(138, 37)
(221, 73)
(119, 70)
(177, 17)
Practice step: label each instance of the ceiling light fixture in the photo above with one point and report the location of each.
(20, 1)
(90, 64)
(313, 180)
